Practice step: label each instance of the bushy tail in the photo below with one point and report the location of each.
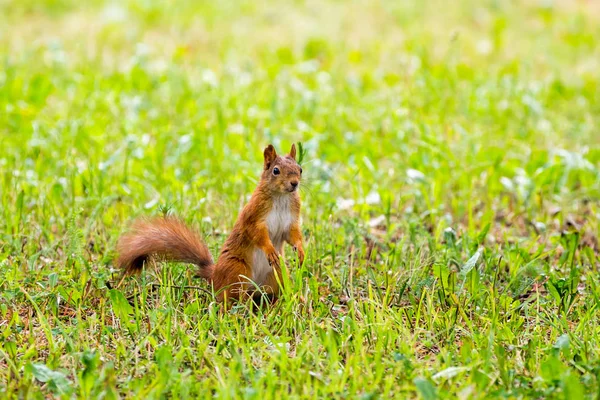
(166, 238)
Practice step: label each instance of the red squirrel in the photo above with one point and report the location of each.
(251, 252)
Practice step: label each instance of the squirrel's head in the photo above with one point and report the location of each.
(281, 173)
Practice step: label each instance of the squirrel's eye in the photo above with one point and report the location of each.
(276, 171)
(300, 170)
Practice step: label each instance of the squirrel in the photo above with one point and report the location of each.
(250, 255)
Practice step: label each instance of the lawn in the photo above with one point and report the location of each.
(451, 198)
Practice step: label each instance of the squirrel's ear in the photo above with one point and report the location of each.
(293, 151)
(270, 155)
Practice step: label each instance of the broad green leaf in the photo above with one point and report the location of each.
(425, 388)
(57, 381)
(471, 263)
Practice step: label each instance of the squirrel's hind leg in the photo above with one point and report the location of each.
(230, 282)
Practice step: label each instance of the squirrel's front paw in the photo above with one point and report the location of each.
(273, 258)
(300, 252)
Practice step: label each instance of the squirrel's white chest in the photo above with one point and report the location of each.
(279, 221)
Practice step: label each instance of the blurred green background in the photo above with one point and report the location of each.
(435, 131)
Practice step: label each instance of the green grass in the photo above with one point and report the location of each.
(451, 203)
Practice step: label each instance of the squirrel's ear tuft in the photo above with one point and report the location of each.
(270, 155)
(293, 151)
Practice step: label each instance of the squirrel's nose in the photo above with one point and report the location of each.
(294, 183)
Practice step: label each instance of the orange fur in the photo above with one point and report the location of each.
(271, 215)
